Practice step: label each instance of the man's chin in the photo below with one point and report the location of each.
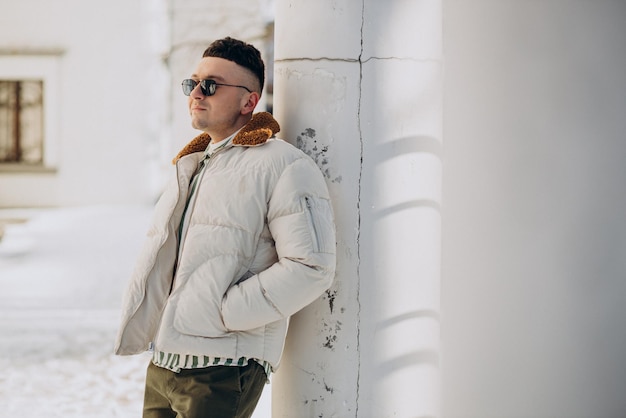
(197, 125)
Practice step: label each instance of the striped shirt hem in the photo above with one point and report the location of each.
(177, 362)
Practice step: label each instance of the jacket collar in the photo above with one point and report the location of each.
(257, 131)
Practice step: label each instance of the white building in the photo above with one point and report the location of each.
(100, 113)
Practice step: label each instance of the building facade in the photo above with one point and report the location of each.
(90, 106)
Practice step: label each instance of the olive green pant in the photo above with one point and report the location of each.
(211, 392)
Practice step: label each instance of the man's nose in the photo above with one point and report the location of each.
(196, 93)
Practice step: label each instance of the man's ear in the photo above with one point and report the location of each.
(250, 103)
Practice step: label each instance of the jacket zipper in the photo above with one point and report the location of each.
(151, 347)
(190, 208)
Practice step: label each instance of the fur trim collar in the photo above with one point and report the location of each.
(257, 131)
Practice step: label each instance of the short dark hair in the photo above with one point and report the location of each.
(240, 53)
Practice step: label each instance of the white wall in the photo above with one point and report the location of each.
(534, 270)
(110, 98)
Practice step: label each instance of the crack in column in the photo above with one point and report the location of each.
(358, 207)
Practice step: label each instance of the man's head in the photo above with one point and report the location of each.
(225, 88)
(243, 54)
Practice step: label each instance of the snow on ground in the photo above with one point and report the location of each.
(62, 275)
(59, 363)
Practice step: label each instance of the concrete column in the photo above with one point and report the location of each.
(358, 87)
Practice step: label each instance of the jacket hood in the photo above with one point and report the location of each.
(257, 131)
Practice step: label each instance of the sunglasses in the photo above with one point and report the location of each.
(207, 87)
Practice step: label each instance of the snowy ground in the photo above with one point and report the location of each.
(62, 274)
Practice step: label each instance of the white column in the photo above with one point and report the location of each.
(358, 87)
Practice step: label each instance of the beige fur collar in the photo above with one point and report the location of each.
(261, 127)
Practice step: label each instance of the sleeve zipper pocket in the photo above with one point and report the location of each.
(320, 217)
(312, 225)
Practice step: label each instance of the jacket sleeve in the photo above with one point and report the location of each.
(300, 219)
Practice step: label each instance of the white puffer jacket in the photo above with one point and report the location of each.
(260, 246)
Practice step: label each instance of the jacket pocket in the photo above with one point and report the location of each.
(321, 226)
(198, 322)
(197, 301)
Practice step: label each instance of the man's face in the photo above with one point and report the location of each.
(229, 108)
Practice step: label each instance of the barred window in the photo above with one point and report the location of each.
(21, 121)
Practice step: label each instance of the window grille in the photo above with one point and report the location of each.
(21, 121)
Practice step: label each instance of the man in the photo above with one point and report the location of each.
(242, 238)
